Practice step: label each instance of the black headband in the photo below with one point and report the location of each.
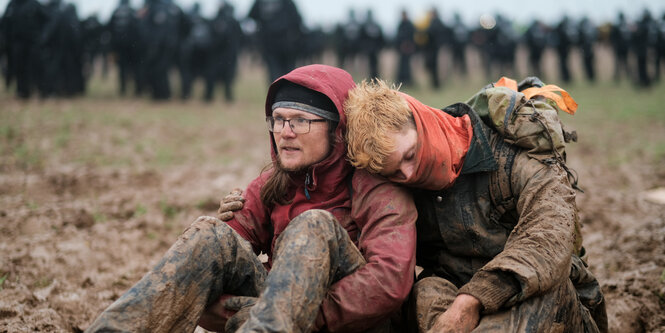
(294, 96)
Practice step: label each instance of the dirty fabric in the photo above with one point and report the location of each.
(501, 259)
(558, 310)
(378, 216)
(312, 253)
(380, 221)
(209, 259)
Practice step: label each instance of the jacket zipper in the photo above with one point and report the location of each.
(308, 180)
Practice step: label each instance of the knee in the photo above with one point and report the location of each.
(206, 227)
(433, 288)
(313, 219)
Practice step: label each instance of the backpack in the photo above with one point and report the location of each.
(525, 115)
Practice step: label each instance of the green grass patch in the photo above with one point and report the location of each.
(139, 211)
(3, 279)
(168, 210)
(42, 282)
(99, 217)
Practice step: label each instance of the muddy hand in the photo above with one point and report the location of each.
(242, 304)
(229, 204)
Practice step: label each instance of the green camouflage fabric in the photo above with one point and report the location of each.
(530, 124)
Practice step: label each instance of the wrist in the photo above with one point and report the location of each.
(469, 302)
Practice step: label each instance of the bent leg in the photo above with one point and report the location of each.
(430, 297)
(312, 253)
(556, 311)
(207, 260)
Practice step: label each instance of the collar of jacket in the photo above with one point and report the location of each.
(480, 157)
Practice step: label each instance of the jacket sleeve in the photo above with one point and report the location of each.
(386, 216)
(537, 254)
(252, 222)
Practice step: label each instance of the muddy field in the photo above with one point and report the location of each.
(94, 190)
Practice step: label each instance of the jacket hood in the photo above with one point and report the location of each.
(335, 83)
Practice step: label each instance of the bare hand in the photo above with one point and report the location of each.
(229, 204)
(462, 316)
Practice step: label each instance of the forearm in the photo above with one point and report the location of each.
(537, 253)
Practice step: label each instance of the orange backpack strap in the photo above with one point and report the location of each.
(506, 82)
(564, 101)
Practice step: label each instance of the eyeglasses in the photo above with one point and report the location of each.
(298, 125)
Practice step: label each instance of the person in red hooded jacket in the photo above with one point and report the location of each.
(341, 244)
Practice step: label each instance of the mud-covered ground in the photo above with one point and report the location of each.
(93, 191)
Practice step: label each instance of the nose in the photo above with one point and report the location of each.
(287, 131)
(407, 170)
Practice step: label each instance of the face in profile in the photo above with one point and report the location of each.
(400, 165)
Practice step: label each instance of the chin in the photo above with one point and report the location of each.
(291, 166)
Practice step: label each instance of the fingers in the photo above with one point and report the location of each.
(225, 216)
(230, 203)
(225, 211)
(233, 197)
(236, 192)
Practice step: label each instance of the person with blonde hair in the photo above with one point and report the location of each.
(488, 265)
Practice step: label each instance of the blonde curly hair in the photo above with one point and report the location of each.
(374, 112)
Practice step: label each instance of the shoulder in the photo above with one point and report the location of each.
(368, 188)
(516, 168)
(364, 181)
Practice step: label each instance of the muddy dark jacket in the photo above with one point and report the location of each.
(378, 216)
(501, 259)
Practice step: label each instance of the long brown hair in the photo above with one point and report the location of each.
(276, 189)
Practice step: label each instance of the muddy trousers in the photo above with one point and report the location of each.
(556, 311)
(210, 259)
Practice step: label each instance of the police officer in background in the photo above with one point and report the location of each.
(437, 34)
(162, 26)
(61, 51)
(536, 40)
(406, 47)
(506, 45)
(279, 32)
(73, 48)
(93, 33)
(587, 39)
(660, 46)
(347, 37)
(620, 40)
(459, 38)
(643, 39)
(196, 53)
(227, 43)
(21, 27)
(372, 43)
(566, 38)
(123, 27)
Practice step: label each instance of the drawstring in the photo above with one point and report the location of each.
(308, 181)
(572, 174)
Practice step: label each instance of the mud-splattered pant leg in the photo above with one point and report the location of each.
(312, 253)
(556, 311)
(207, 260)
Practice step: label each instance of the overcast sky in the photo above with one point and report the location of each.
(326, 13)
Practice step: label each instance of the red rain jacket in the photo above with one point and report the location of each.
(378, 215)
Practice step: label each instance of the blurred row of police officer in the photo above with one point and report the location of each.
(47, 48)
